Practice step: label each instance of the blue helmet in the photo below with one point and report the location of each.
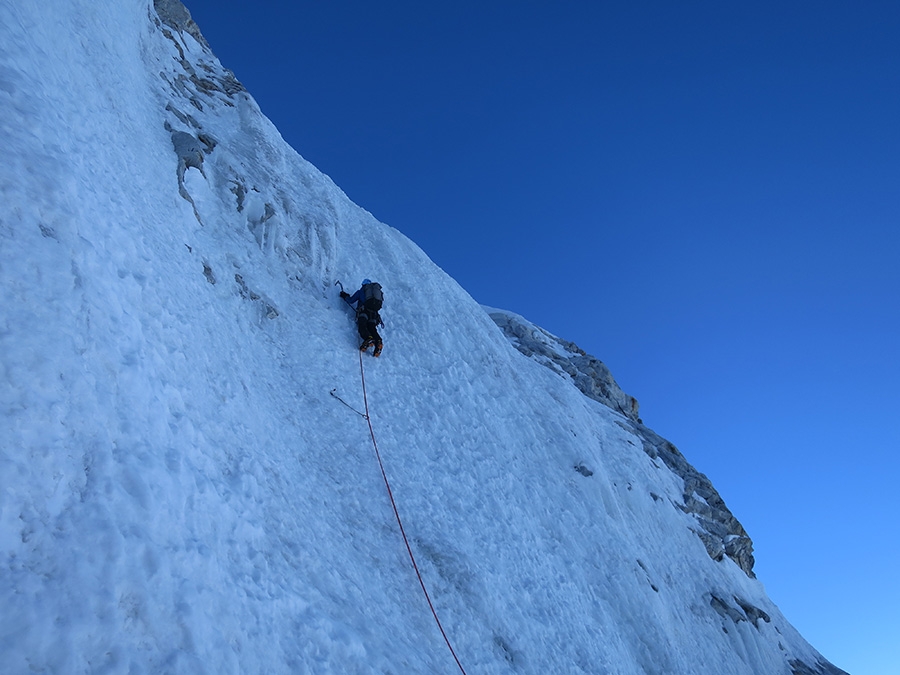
(366, 281)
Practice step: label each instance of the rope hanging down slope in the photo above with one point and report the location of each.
(387, 484)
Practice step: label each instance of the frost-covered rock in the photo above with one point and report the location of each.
(720, 531)
(588, 373)
(175, 15)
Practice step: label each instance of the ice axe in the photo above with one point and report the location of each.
(338, 283)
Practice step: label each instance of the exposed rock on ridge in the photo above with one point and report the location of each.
(719, 530)
(589, 374)
(214, 80)
(820, 668)
(198, 84)
(175, 15)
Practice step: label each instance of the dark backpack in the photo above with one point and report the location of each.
(372, 296)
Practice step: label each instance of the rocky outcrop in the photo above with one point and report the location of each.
(214, 79)
(820, 668)
(175, 15)
(589, 374)
(717, 528)
(190, 155)
(738, 610)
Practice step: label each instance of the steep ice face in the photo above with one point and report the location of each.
(181, 494)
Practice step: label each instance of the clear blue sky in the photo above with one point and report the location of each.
(704, 195)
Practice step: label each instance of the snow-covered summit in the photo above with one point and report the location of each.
(182, 491)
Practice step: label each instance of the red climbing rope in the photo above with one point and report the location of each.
(387, 484)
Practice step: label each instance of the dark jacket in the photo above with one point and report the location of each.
(371, 315)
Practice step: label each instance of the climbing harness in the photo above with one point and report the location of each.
(362, 375)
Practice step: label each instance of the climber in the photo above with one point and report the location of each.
(368, 300)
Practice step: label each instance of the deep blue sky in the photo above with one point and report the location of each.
(704, 195)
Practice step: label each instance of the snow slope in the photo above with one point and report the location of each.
(179, 493)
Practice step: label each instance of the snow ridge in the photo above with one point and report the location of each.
(719, 530)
